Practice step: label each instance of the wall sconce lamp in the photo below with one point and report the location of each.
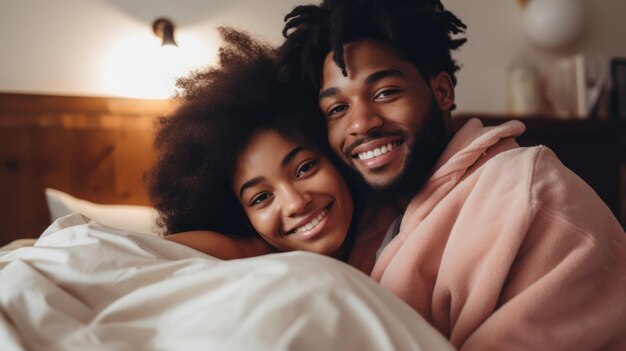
(164, 29)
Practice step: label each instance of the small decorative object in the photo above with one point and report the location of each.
(618, 92)
(575, 83)
(554, 24)
(524, 88)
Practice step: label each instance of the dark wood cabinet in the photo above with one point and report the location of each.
(593, 149)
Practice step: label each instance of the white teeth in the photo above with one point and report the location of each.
(312, 224)
(366, 155)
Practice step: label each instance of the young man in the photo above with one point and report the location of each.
(499, 247)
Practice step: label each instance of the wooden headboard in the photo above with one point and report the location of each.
(93, 148)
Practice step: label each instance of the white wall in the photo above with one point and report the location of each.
(88, 47)
(106, 47)
(496, 38)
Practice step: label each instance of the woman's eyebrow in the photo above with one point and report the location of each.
(291, 155)
(250, 183)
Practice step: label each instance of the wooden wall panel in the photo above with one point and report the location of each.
(130, 167)
(93, 148)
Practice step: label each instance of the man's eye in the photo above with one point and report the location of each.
(261, 198)
(385, 93)
(306, 167)
(337, 110)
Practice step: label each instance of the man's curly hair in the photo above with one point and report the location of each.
(422, 32)
(219, 109)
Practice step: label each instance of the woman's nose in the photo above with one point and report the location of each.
(295, 201)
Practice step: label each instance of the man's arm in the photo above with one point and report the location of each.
(222, 246)
(565, 287)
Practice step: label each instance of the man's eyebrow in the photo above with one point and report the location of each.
(286, 160)
(371, 79)
(328, 93)
(376, 76)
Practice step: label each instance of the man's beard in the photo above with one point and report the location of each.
(428, 145)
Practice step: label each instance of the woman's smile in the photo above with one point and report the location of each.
(312, 228)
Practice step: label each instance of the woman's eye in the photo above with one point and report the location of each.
(306, 167)
(261, 198)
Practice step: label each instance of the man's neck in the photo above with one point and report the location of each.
(388, 200)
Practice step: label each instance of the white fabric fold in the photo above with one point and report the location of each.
(85, 286)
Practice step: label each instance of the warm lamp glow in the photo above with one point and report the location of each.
(140, 67)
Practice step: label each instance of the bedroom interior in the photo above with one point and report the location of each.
(81, 122)
(81, 267)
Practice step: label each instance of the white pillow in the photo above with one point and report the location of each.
(131, 218)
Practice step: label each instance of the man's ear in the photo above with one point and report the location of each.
(443, 90)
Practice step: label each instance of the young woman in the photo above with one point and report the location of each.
(246, 155)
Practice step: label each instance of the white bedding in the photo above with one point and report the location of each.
(86, 286)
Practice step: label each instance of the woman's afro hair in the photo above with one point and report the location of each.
(219, 109)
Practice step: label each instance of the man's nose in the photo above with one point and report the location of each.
(364, 118)
(295, 200)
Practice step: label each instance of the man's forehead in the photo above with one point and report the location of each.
(364, 57)
(369, 50)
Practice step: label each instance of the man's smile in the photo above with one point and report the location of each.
(366, 155)
(376, 153)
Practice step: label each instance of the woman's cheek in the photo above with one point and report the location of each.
(268, 223)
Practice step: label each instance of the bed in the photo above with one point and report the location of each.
(105, 279)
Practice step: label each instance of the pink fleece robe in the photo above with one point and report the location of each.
(506, 249)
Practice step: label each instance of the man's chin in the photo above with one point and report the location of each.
(380, 183)
(380, 179)
(383, 189)
(397, 184)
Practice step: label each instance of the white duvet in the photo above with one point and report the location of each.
(84, 286)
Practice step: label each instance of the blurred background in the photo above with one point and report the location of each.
(85, 47)
(82, 80)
